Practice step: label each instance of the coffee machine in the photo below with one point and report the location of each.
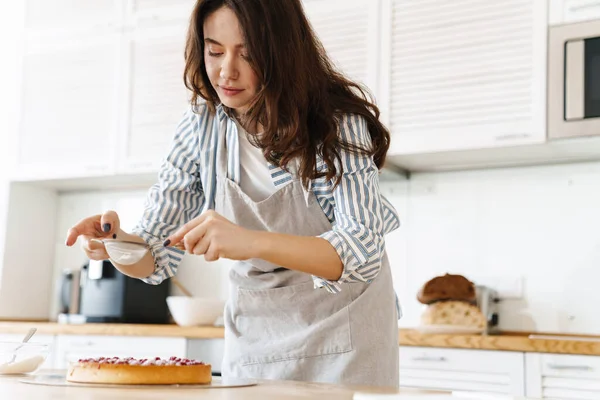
(101, 293)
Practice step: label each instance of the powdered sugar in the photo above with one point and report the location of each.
(22, 366)
(144, 362)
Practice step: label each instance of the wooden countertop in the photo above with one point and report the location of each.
(166, 330)
(11, 388)
(508, 341)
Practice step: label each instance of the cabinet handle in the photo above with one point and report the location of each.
(82, 344)
(570, 367)
(583, 7)
(141, 164)
(95, 168)
(433, 359)
(512, 136)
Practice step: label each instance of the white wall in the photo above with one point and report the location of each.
(538, 224)
(11, 27)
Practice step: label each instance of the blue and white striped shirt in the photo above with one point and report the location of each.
(359, 214)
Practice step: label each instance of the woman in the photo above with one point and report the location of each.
(275, 165)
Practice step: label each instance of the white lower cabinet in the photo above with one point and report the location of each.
(70, 348)
(562, 377)
(494, 372)
(210, 351)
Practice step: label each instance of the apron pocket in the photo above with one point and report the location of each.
(291, 323)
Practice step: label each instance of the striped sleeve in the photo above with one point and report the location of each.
(176, 198)
(361, 215)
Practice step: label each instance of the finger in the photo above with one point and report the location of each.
(83, 226)
(193, 237)
(201, 247)
(212, 253)
(110, 222)
(94, 248)
(183, 231)
(72, 235)
(92, 245)
(97, 255)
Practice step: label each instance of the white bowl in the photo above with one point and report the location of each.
(195, 311)
(28, 357)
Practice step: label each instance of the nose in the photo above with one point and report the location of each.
(229, 68)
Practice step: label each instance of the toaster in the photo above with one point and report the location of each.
(487, 301)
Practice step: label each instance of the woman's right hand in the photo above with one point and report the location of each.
(102, 226)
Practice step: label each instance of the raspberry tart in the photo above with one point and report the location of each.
(146, 371)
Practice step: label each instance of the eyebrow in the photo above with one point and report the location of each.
(213, 41)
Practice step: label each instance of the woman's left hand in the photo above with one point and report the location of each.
(215, 237)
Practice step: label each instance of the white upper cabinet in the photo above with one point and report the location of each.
(465, 74)
(570, 11)
(68, 115)
(158, 97)
(47, 17)
(350, 33)
(153, 13)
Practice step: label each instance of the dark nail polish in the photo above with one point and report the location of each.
(167, 242)
(106, 228)
(114, 236)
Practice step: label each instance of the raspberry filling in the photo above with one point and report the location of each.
(172, 361)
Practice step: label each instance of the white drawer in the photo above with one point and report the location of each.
(71, 348)
(479, 361)
(462, 370)
(17, 337)
(565, 365)
(122, 343)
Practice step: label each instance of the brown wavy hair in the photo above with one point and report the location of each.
(302, 94)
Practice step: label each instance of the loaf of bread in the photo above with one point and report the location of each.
(447, 287)
(457, 313)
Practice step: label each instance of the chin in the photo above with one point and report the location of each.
(238, 106)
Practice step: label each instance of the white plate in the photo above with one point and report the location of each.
(441, 329)
(60, 380)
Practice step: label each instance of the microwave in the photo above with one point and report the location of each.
(574, 80)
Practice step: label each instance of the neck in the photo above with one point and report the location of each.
(251, 126)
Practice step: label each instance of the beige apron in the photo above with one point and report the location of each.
(278, 326)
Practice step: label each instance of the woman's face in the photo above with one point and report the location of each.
(226, 60)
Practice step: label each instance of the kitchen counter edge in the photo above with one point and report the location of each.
(506, 341)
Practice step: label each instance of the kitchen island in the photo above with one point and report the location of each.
(11, 388)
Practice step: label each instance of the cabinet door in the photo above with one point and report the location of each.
(210, 351)
(45, 17)
(493, 372)
(68, 108)
(349, 32)
(158, 97)
(571, 11)
(559, 376)
(155, 13)
(464, 74)
(70, 348)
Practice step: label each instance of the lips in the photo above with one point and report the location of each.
(230, 91)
